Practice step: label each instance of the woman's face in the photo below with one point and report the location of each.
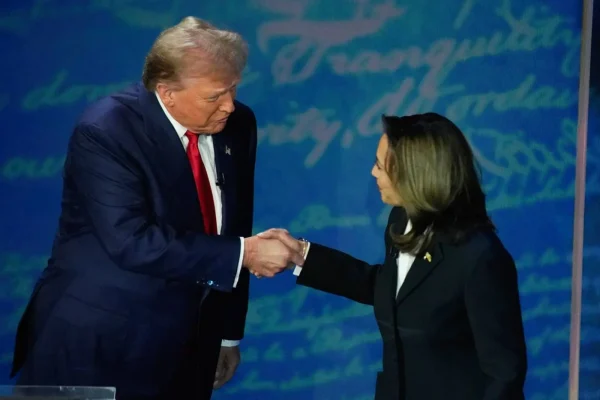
(389, 193)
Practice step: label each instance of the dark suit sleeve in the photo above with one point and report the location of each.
(237, 302)
(338, 273)
(494, 311)
(113, 197)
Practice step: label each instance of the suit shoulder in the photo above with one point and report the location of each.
(112, 113)
(486, 243)
(243, 113)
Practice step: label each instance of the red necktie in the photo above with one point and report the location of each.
(207, 203)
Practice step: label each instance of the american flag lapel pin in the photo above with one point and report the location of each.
(227, 150)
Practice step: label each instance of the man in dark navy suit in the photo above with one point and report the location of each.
(147, 286)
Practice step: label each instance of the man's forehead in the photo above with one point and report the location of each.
(216, 83)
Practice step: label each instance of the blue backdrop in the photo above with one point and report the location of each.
(320, 74)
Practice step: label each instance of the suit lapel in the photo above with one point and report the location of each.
(225, 165)
(391, 264)
(422, 266)
(169, 157)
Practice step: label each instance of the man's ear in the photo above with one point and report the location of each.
(165, 93)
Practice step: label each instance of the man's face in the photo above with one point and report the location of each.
(203, 105)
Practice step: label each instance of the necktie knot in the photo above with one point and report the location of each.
(192, 137)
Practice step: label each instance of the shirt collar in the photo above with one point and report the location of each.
(180, 129)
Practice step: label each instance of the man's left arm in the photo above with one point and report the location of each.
(236, 302)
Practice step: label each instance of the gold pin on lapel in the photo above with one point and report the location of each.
(427, 257)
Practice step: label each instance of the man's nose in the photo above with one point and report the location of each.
(227, 105)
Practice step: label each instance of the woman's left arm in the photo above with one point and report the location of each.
(494, 312)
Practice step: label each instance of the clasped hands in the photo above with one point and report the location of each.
(270, 252)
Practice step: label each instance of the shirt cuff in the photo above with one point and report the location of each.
(298, 269)
(230, 343)
(239, 269)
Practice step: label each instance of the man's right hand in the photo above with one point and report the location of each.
(268, 257)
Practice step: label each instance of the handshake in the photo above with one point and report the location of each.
(271, 252)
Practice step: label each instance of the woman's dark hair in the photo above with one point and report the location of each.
(432, 166)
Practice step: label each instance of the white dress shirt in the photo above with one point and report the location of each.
(207, 153)
(403, 262)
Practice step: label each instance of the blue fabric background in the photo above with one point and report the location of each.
(320, 74)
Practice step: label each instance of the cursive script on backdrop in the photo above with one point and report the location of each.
(316, 43)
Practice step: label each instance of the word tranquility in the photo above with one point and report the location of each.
(316, 43)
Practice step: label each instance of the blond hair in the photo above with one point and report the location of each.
(193, 48)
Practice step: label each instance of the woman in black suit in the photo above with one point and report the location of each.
(446, 298)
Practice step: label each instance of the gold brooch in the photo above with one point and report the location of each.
(427, 257)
